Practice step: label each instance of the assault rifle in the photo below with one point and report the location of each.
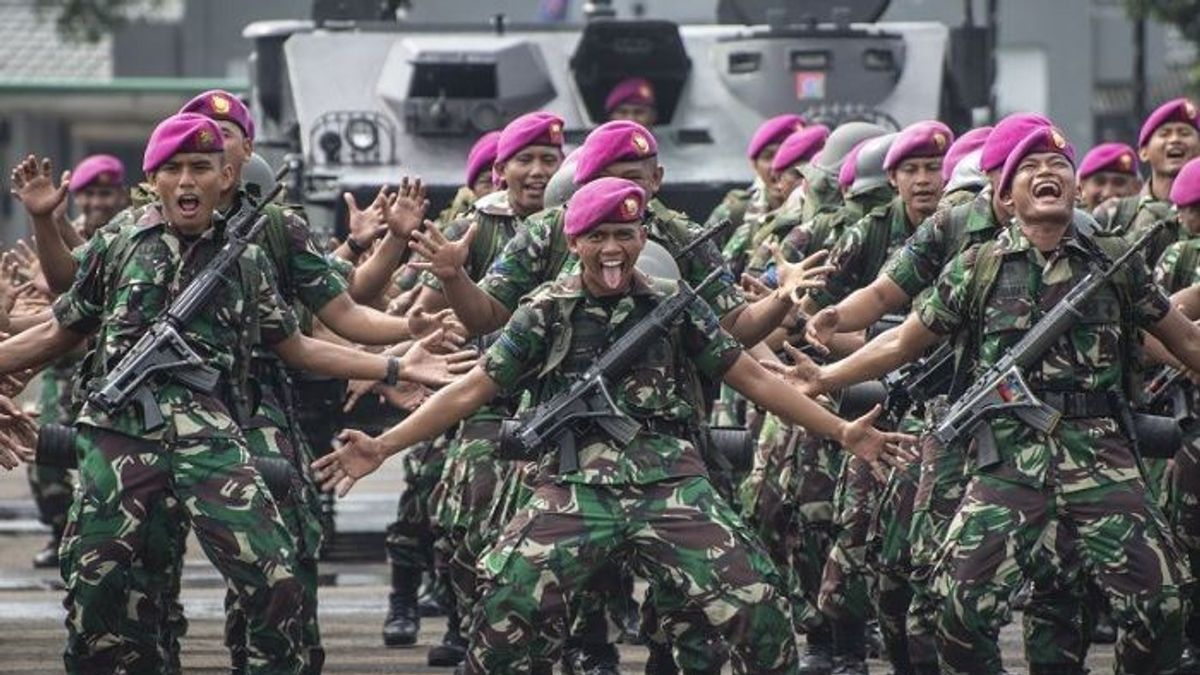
(1002, 388)
(912, 384)
(587, 400)
(163, 349)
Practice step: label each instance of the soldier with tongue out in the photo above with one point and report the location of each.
(650, 500)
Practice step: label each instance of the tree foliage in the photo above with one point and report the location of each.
(1183, 14)
(91, 20)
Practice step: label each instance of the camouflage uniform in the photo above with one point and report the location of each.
(1136, 214)
(651, 499)
(1179, 268)
(753, 212)
(733, 207)
(1078, 493)
(199, 455)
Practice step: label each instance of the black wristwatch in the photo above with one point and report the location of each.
(355, 247)
(393, 372)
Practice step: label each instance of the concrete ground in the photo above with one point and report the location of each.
(353, 603)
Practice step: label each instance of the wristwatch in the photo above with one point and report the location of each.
(393, 372)
(355, 247)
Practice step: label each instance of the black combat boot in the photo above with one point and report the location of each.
(403, 619)
(239, 659)
(1189, 662)
(661, 660)
(817, 658)
(897, 653)
(849, 648)
(453, 649)
(590, 658)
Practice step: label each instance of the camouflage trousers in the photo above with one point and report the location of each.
(680, 534)
(1004, 530)
(121, 480)
(1184, 515)
(846, 581)
(410, 538)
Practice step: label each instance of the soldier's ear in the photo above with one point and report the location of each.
(891, 174)
(1144, 154)
(659, 172)
(227, 174)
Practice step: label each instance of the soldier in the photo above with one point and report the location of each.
(1179, 269)
(576, 520)
(198, 454)
(479, 182)
(632, 99)
(1076, 491)
(1169, 138)
(965, 151)
(761, 152)
(98, 190)
(1107, 174)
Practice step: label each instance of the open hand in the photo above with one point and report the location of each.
(804, 373)
(405, 210)
(877, 448)
(797, 278)
(443, 258)
(366, 225)
(821, 328)
(354, 455)
(421, 324)
(33, 185)
(754, 289)
(428, 363)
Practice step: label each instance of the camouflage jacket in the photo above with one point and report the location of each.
(862, 250)
(562, 321)
(823, 230)
(954, 198)
(772, 233)
(1091, 357)
(128, 276)
(1134, 215)
(733, 206)
(496, 225)
(1179, 266)
(916, 265)
(538, 253)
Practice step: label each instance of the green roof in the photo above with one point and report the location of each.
(122, 85)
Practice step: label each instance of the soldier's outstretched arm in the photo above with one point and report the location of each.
(1188, 301)
(369, 326)
(33, 185)
(37, 346)
(419, 364)
(859, 437)
(360, 454)
(403, 213)
(1180, 336)
(756, 323)
(856, 312)
(877, 358)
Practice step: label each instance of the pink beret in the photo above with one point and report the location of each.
(773, 130)
(800, 146)
(535, 128)
(482, 154)
(1005, 136)
(929, 138)
(635, 90)
(847, 173)
(1178, 110)
(1115, 157)
(1042, 139)
(104, 169)
(616, 141)
(182, 132)
(222, 105)
(965, 145)
(604, 200)
(1185, 191)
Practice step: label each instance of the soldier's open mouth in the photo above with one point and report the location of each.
(188, 204)
(1047, 189)
(1176, 152)
(613, 273)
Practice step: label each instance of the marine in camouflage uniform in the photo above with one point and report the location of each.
(746, 209)
(1078, 492)
(199, 456)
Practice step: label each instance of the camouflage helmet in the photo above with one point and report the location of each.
(967, 174)
(562, 185)
(841, 140)
(257, 177)
(868, 169)
(656, 261)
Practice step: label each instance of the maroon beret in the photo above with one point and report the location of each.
(1185, 191)
(222, 105)
(800, 146)
(182, 132)
(604, 200)
(104, 169)
(965, 145)
(1041, 139)
(635, 90)
(611, 142)
(847, 173)
(1178, 110)
(1005, 136)
(482, 155)
(535, 128)
(929, 138)
(1114, 157)
(773, 130)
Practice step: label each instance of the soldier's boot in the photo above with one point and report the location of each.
(1103, 630)
(594, 658)
(897, 654)
(239, 659)
(403, 619)
(661, 660)
(875, 647)
(453, 649)
(849, 648)
(428, 601)
(818, 653)
(48, 556)
(1189, 661)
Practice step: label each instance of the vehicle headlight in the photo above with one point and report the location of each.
(362, 134)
